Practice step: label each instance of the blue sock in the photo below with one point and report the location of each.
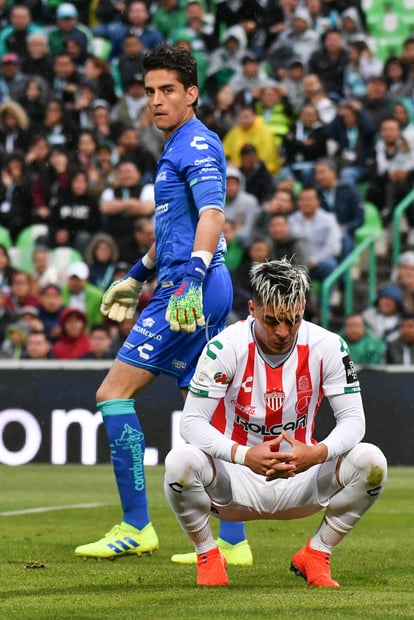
(232, 532)
(127, 444)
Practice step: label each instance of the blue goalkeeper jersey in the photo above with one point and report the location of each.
(191, 177)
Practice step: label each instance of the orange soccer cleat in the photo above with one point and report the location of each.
(314, 567)
(211, 569)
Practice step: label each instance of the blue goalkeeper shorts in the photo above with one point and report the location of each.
(152, 345)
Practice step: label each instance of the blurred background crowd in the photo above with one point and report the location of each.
(314, 103)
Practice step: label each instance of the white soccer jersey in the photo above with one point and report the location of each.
(257, 401)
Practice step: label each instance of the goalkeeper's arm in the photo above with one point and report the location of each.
(120, 300)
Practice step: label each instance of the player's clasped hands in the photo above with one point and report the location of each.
(263, 459)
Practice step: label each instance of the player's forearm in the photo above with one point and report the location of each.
(209, 229)
(350, 424)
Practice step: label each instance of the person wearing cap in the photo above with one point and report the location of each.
(12, 80)
(14, 341)
(67, 20)
(384, 318)
(13, 38)
(251, 129)
(78, 292)
(73, 342)
(30, 316)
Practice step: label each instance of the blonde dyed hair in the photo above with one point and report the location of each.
(280, 285)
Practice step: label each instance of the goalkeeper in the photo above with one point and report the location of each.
(193, 295)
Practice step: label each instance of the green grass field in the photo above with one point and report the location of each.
(40, 578)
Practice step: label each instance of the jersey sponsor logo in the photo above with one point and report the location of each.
(162, 176)
(274, 430)
(142, 350)
(179, 364)
(245, 409)
(247, 384)
(274, 399)
(350, 371)
(147, 333)
(199, 143)
(162, 208)
(148, 322)
(206, 160)
(302, 405)
(304, 384)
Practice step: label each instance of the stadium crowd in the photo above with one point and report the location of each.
(315, 126)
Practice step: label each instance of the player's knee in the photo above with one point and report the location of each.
(185, 464)
(364, 462)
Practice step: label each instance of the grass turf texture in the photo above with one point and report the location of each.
(41, 578)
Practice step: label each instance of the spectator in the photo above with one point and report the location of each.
(7, 317)
(250, 129)
(377, 102)
(396, 74)
(198, 26)
(86, 148)
(128, 199)
(58, 128)
(14, 341)
(353, 133)
(351, 26)
(112, 26)
(241, 207)
(401, 350)
(20, 293)
(225, 111)
(383, 319)
(282, 202)
(12, 80)
(321, 232)
(101, 256)
(82, 108)
(49, 183)
(340, 198)
(103, 175)
(101, 344)
(364, 347)
(298, 40)
(6, 268)
(67, 22)
(29, 316)
(38, 61)
(257, 252)
(128, 147)
(404, 114)
(75, 216)
(139, 22)
(315, 94)
(38, 347)
(235, 249)
(170, 14)
(44, 272)
(283, 243)
(104, 129)
(129, 63)
(361, 66)
(132, 103)
(97, 72)
(66, 80)
(293, 83)
(225, 60)
(14, 124)
(403, 276)
(15, 196)
(76, 47)
(33, 102)
(79, 293)
(258, 180)
(50, 310)
(13, 38)
(303, 145)
(393, 171)
(275, 109)
(329, 63)
(248, 79)
(74, 342)
(141, 240)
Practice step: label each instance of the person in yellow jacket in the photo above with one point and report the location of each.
(251, 129)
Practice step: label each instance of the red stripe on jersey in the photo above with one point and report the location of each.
(303, 390)
(218, 419)
(320, 396)
(243, 403)
(274, 398)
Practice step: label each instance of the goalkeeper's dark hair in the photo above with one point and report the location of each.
(173, 58)
(279, 284)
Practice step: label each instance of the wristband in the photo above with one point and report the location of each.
(196, 269)
(240, 454)
(142, 270)
(204, 255)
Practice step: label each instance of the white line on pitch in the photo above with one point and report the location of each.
(27, 511)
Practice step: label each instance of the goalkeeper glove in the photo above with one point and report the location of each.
(120, 300)
(185, 307)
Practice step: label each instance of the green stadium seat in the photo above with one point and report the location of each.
(5, 238)
(372, 226)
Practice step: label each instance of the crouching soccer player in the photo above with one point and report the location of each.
(248, 421)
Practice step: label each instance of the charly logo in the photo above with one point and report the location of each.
(199, 143)
(133, 440)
